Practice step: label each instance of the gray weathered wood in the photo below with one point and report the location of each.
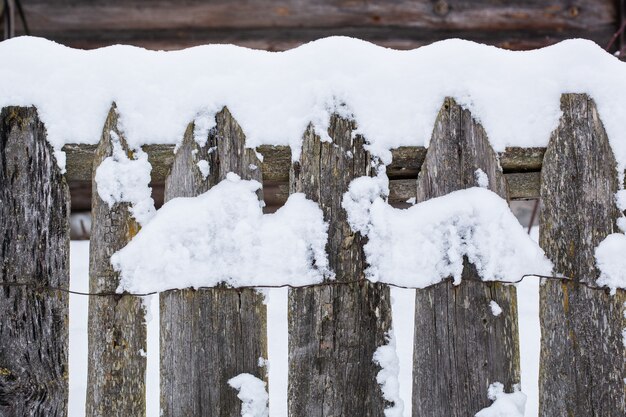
(460, 346)
(279, 25)
(334, 330)
(34, 227)
(209, 336)
(583, 358)
(117, 328)
(406, 162)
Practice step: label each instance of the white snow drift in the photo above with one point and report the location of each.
(427, 242)
(222, 236)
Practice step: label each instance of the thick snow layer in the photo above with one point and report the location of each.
(121, 179)
(611, 261)
(504, 405)
(252, 394)
(387, 358)
(427, 242)
(393, 95)
(222, 236)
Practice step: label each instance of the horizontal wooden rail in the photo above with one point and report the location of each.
(406, 163)
(521, 166)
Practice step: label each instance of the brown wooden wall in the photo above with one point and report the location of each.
(279, 25)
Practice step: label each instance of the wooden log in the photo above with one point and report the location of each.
(460, 346)
(267, 24)
(335, 330)
(406, 163)
(34, 226)
(210, 336)
(117, 328)
(582, 352)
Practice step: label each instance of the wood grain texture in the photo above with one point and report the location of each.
(209, 336)
(406, 161)
(116, 325)
(583, 358)
(280, 25)
(460, 346)
(335, 330)
(34, 228)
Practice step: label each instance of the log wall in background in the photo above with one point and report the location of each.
(117, 325)
(210, 336)
(583, 357)
(335, 330)
(279, 25)
(460, 346)
(34, 228)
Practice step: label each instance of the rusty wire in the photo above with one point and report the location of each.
(40, 288)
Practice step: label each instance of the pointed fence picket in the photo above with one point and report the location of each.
(116, 325)
(583, 352)
(333, 328)
(224, 332)
(210, 336)
(461, 347)
(34, 231)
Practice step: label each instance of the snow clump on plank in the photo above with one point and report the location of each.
(120, 179)
(222, 236)
(426, 243)
(386, 357)
(504, 405)
(611, 262)
(252, 393)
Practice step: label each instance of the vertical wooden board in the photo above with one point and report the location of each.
(583, 358)
(117, 328)
(334, 330)
(460, 346)
(34, 227)
(210, 336)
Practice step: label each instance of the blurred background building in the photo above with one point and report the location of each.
(283, 24)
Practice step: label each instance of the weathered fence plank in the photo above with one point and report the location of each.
(583, 358)
(117, 328)
(334, 330)
(210, 336)
(34, 227)
(460, 346)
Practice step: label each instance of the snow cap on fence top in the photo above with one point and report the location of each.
(393, 95)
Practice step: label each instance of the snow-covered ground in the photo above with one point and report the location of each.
(403, 316)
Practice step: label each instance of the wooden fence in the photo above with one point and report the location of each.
(209, 336)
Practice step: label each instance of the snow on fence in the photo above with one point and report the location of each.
(466, 334)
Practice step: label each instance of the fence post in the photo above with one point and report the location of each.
(210, 336)
(34, 227)
(460, 346)
(583, 358)
(117, 328)
(335, 330)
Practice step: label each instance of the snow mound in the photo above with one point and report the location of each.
(222, 236)
(504, 405)
(252, 393)
(426, 243)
